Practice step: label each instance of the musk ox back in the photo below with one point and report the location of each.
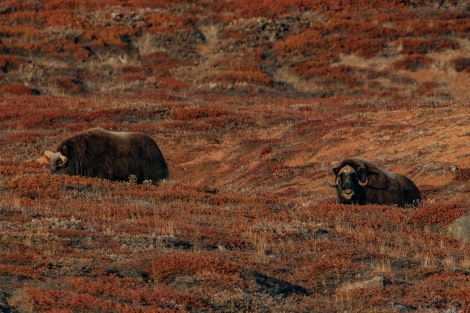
(361, 182)
(110, 155)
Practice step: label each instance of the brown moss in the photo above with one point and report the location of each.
(171, 83)
(424, 46)
(462, 65)
(462, 175)
(413, 62)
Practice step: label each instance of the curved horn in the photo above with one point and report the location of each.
(49, 154)
(336, 183)
(63, 158)
(362, 184)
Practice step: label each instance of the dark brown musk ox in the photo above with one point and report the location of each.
(111, 155)
(361, 182)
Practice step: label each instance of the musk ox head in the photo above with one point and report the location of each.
(359, 182)
(349, 183)
(110, 155)
(58, 162)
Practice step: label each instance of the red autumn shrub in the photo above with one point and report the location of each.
(128, 77)
(413, 62)
(25, 137)
(462, 174)
(166, 266)
(167, 23)
(26, 17)
(443, 214)
(110, 35)
(234, 77)
(171, 83)
(58, 18)
(80, 53)
(363, 47)
(63, 5)
(160, 63)
(462, 64)
(16, 89)
(428, 88)
(423, 46)
(129, 290)
(70, 85)
(306, 42)
(8, 62)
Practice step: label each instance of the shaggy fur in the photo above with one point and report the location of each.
(378, 186)
(110, 155)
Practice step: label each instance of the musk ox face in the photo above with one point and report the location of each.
(110, 155)
(58, 162)
(349, 184)
(360, 182)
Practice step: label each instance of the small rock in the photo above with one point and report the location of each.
(402, 307)
(377, 281)
(460, 228)
(21, 157)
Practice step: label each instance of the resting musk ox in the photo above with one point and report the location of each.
(111, 155)
(360, 182)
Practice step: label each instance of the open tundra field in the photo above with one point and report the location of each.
(252, 103)
(247, 221)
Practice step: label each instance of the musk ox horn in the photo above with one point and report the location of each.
(54, 156)
(49, 154)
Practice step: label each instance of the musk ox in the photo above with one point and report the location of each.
(360, 182)
(111, 155)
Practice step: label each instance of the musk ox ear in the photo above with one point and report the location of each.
(335, 184)
(376, 178)
(336, 170)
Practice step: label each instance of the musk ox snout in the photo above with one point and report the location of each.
(360, 182)
(347, 194)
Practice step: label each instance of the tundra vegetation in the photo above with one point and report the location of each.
(251, 102)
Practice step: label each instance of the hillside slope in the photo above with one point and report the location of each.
(293, 48)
